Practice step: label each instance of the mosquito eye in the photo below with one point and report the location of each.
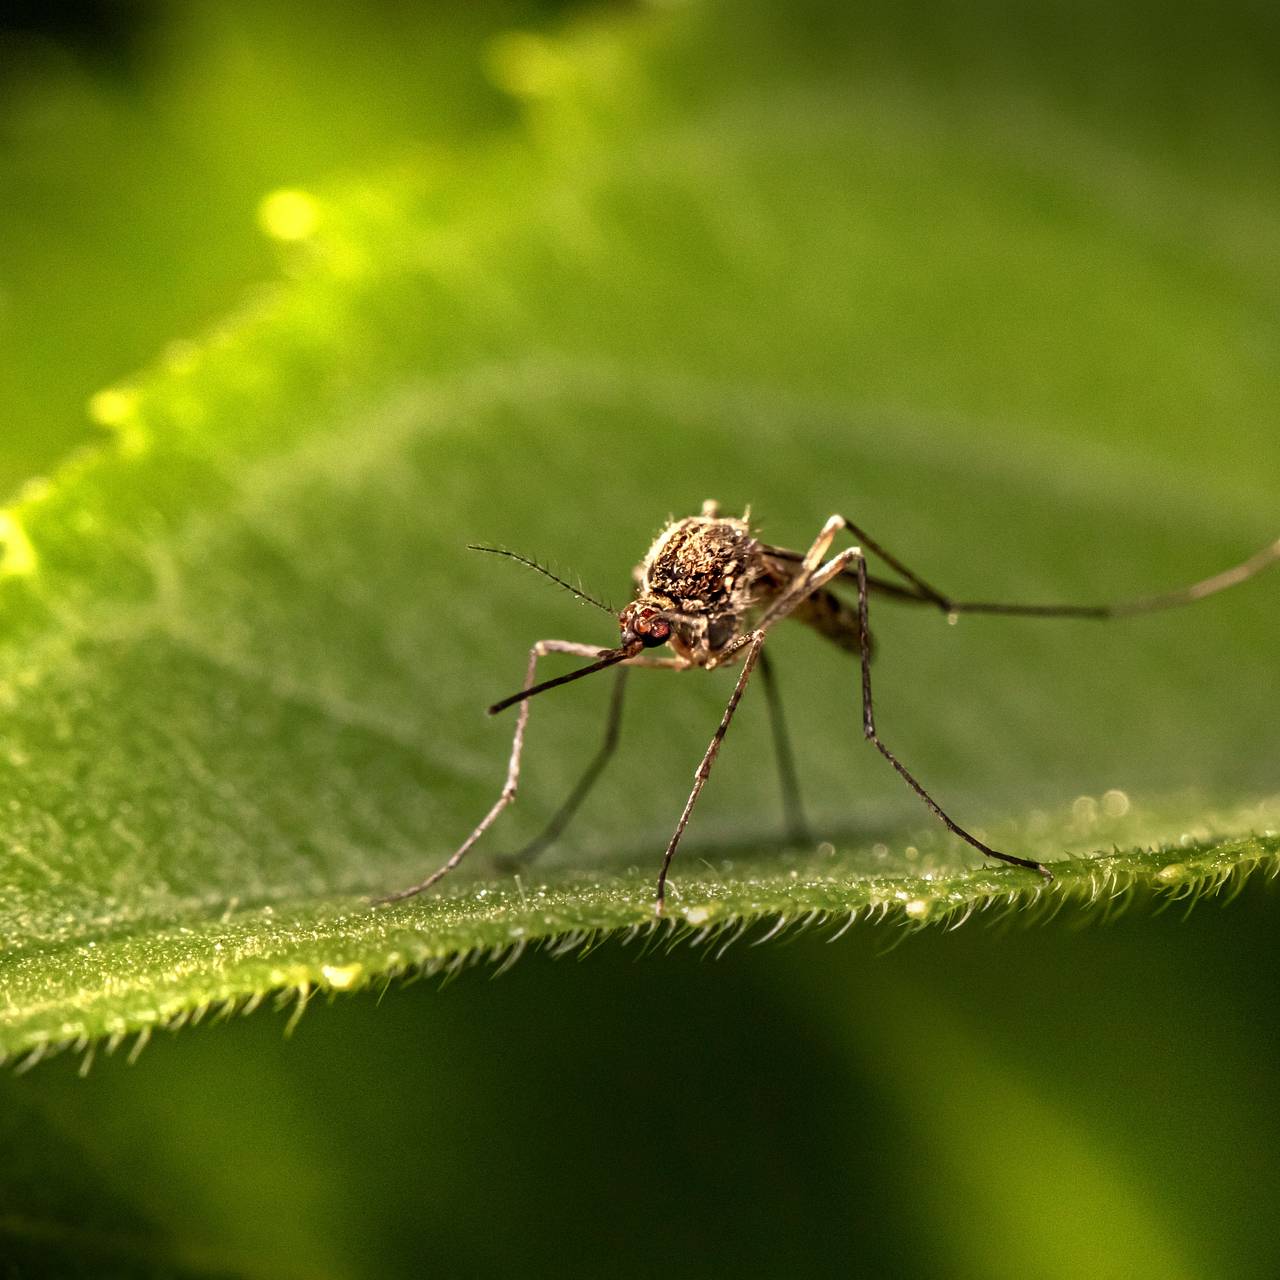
(654, 631)
(650, 627)
(646, 624)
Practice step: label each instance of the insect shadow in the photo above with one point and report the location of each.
(709, 592)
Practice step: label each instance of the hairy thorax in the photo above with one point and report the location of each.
(706, 573)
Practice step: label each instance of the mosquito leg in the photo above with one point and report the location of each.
(612, 728)
(822, 544)
(1255, 564)
(704, 769)
(920, 592)
(807, 581)
(869, 731)
(924, 591)
(797, 828)
(539, 650)
(804, 582)
(564, 814)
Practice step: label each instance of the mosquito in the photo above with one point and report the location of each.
(710, 592)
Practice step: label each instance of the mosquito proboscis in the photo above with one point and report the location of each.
(708, 593)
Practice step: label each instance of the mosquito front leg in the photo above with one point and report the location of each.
(613, 727)
(704, 769)
(539, 650)
(564, 815)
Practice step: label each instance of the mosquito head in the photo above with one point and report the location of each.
(646, 621)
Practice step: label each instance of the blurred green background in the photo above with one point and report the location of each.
(998, 1101)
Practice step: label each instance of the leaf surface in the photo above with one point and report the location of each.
(244, 654)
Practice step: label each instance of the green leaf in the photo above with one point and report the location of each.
(132, 176)
(244, 652)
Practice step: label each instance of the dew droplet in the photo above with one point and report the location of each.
(1115, 804)
(342, 976)
(1084, 809)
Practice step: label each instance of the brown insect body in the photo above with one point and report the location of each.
(705, 575)
(708, 577)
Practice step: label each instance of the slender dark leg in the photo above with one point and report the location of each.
(869, 731)
(797, 828)
(923, 591)
(920, 592)
(564, 815)
(704, 769)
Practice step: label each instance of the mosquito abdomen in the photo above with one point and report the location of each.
(831, 617)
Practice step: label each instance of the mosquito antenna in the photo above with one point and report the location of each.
(546, 573)
(608, 658)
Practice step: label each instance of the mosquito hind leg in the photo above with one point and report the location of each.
(508, 794)
(920, 592)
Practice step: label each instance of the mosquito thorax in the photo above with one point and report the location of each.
(700, 563)
(702, 573)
